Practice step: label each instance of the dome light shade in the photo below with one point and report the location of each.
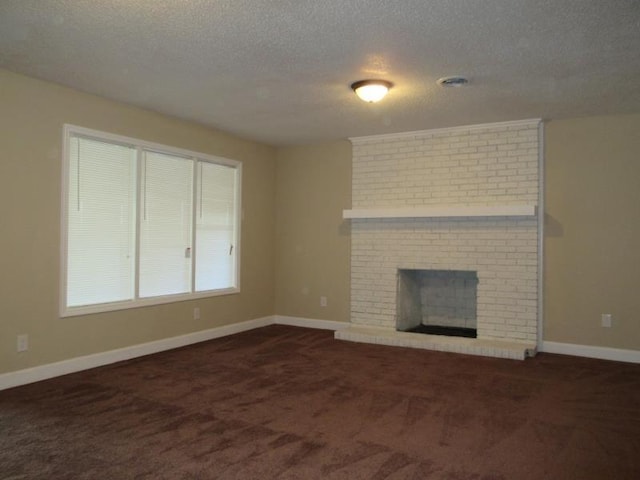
(371, 90)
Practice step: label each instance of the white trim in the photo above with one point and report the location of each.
(72, 365)
(309, 322)
(145, 302)
(441, 131)
(156, 147)
(77, 364)
(238, 225)
(603, 353)
(141, 146)
(541, 204)
(43, 372)
(64, 220)
(438, 211)
(196, 193)
(141, 164)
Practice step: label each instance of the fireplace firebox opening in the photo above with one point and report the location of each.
(437, 302)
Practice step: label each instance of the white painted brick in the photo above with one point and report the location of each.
(489, 166)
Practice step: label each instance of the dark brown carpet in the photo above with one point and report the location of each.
(292, 403)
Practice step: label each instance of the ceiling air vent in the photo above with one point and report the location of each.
(454, 81)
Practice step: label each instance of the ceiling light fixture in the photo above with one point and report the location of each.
(371, 90)
(454, 81)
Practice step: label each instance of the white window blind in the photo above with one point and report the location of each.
(145, 223)
(215, 227)
(101, 220)
(165, 227)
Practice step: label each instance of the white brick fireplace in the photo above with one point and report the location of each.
(460, 199)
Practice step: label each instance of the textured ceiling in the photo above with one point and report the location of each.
(278, 71)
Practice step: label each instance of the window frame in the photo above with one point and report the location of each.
(141, 145)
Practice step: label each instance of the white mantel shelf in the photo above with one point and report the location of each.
(443, 211)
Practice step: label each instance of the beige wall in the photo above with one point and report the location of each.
(592, 240)
(592, 263)
(296, 247)
(313, 241)
(31, 117)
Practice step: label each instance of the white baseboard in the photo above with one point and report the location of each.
(309, 322)
(43, 372)
(603, 353)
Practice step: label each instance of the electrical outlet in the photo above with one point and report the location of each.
(22, 343)
(323, 301)
(606, 320)
(196, 313)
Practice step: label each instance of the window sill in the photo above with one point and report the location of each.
(143, 302)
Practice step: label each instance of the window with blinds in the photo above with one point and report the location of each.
(145, 224)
